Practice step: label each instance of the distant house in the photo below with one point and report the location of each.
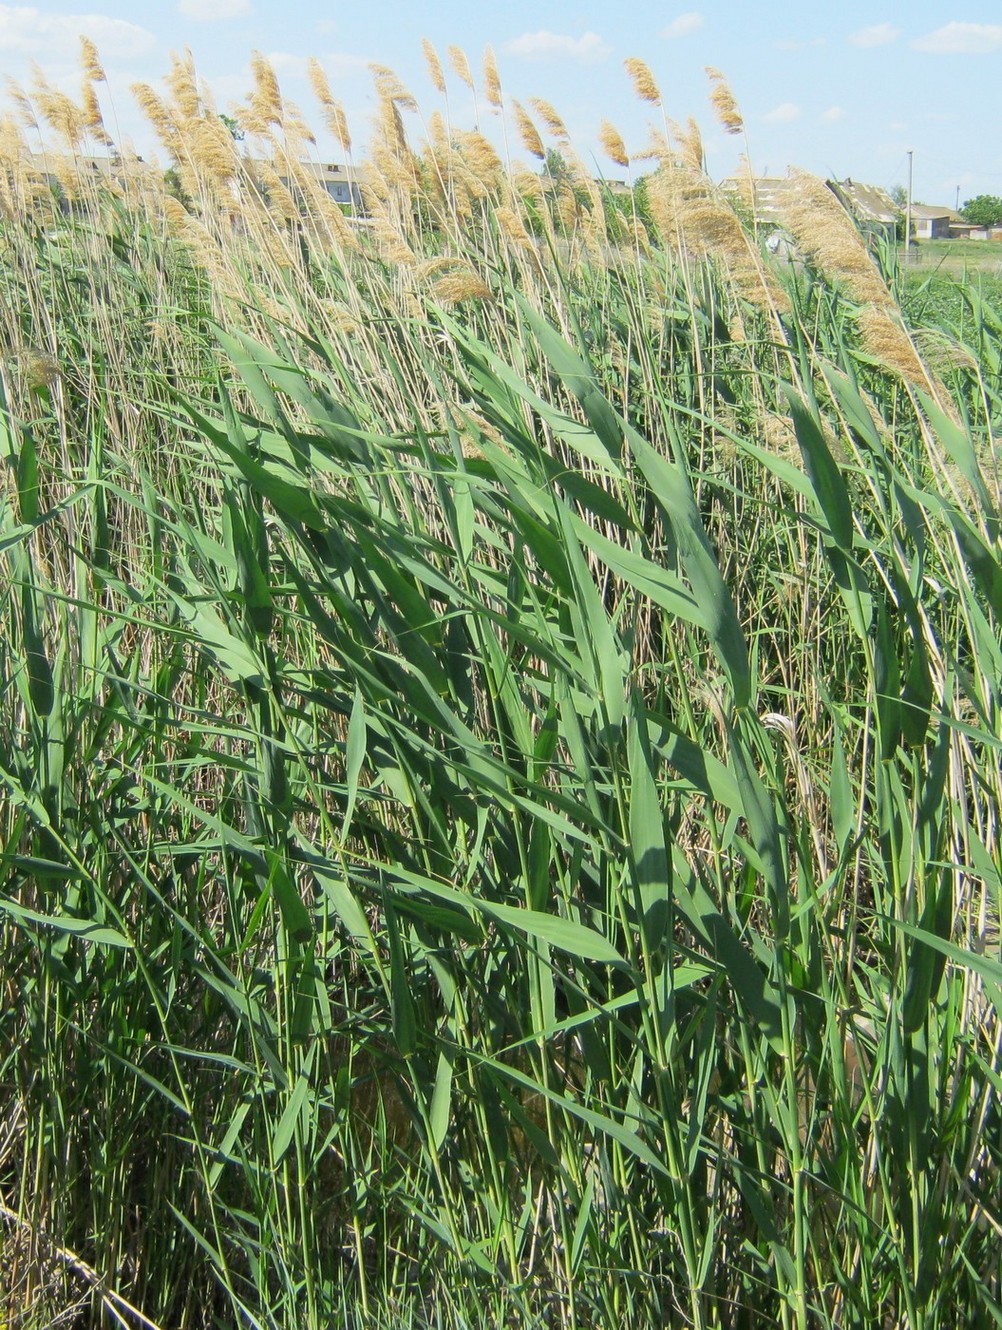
(933, 221)
(339, 181)
(769, 198)
(873, 208)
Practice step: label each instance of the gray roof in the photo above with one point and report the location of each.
(869, 203)
(928, 212)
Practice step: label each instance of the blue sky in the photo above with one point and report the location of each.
(844, 89)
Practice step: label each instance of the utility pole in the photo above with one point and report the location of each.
(908, 212)
(956, 206)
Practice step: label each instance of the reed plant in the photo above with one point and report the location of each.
(499, 742)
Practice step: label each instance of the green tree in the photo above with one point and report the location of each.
(983, 210)
(233, 126)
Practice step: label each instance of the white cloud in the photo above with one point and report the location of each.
(684, 26)
(208, 11)
(783, 114)
(27, 31)
(961, 39)
(543, 45)
(832, 114)
(880, 34)
(283, 62)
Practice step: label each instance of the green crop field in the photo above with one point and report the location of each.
(499, 740)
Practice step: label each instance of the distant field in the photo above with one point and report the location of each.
(957, 255)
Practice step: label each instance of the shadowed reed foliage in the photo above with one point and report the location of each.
(499, 744)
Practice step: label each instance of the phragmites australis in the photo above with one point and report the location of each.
(183, 85)
(266, 99)
(459, 62)
(528, 132)
(92, 67)
(390, 88)
(724, 102)
(333, 111)
(59, 112)
(612, 143)
(456, 288)
(492, 80)
(434, 65)
(643, 80)
(548, 114)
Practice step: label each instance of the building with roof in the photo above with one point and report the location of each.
(873, 208)
(935, 221)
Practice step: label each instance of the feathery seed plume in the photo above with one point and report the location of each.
(528, 132)
(460, 286)
(333, 112)
(91, 61)
(390, 89)
(550, 119)
(183, 85)
(93, 119)
(643, 80)
(59, 112)
(612, 142)
(459, 62)
(434, 65)
(492, 79)
(724, 102)
(266, 99)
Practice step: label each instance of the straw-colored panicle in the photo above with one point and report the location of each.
(91, 61)
(527, 132)
(391, 243)
(692, 215)
(568, 207)
(724, 102)
(93, 119)
(690, 144)
(548, 114)
(390, 89)
(492, 80)
(161, 116)
(14, 166)
(886, 339)
(942, 353)
(478, 152)
(434, 65)
(280, 202)
(59, 112)
(779, 436)
(390, 152)
(183, 84)
(658, 149)
(643, 81)
(22, 103)
(265, 106)
(212, 151)
(460, 287)
(461, 66)
(526, 184)
(639, 236)
(437, 157)
(612, 143)
(595, 234)
(828, 237)
(331, 108)
(513, 226)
